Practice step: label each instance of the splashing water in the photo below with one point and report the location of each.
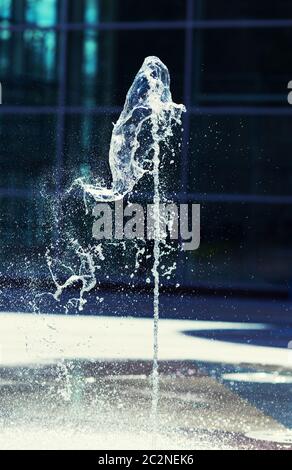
(144, 124)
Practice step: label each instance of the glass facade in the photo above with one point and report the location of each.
(65, 67)
(242, 66)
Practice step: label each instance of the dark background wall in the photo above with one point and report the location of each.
(65, 67)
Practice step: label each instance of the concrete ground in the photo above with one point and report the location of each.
(85, 382)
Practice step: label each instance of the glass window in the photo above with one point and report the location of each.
(243, 244)
(240, 154)
(227, 154)
(28, 67)
(241, 9)
(241, 66)
(27, 150)
(24, 236)
(92, 11)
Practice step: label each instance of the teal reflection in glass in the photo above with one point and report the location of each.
(90, 48)
(90, 54)
(92, 11)
(42, 13)
(5, 9)
(40, 47)
(5, 13)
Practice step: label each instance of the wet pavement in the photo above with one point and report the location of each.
(50, 399)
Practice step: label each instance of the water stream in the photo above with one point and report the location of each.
(155, 271)
(145, 123)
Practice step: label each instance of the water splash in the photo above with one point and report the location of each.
(145, 124)
(86, 272)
